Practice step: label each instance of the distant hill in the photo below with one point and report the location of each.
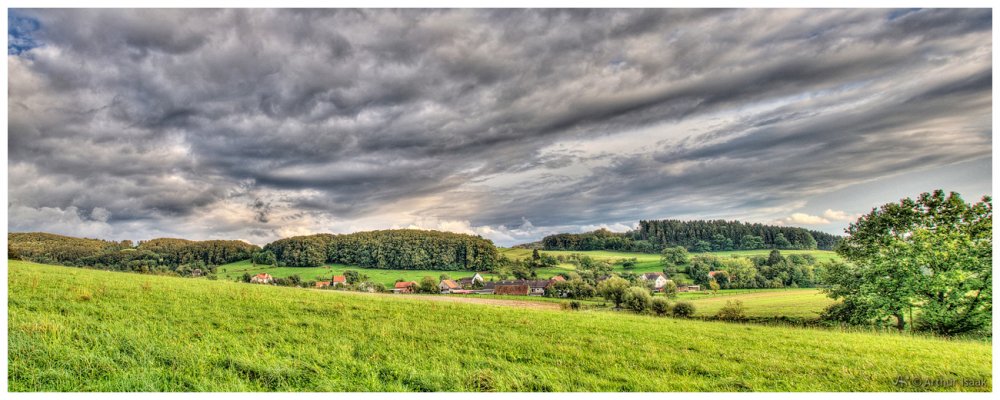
(389, 249)
(163, 255)
(696, 236)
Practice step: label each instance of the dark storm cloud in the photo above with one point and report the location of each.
(166, 115)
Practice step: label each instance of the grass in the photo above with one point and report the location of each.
(644, 263)
(651, 262)
(387, 277)
(75, 329)
(798, 303)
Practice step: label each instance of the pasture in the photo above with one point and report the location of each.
(797, 303)
(73, 329)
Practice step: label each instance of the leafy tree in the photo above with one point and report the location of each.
(670, 289)
(683, 309)
(780, 242)
(699, 268)
(701, 246)
(673, 259)
(660, 306)
(428, 285)
(934, 253)
(613, 289)
(352, 276)
(732, 311)
(752, 242)
(637, 299)
(712, 284)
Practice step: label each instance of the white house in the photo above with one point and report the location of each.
(658, 278)
(470, 282)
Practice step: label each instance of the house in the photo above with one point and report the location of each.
(448, 286)
(339, 280)
(688, 288)
(470, 281)
(517, 287)
(557, 278)
(404, 287)
(262, 278)
(658, 278)
(322, 284)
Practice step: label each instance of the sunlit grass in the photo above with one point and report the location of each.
(85, 330)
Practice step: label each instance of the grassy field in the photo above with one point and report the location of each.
(644, 263)
(798, 303)
(387, 277)
(74, 329)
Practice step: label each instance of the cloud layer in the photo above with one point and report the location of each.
(258, 124)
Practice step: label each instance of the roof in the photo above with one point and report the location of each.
(534, 284)
(322, 283)
(339, 279)
(558, 278)
(713, 273)
(450, 284)
(262, 275)
(401, 285)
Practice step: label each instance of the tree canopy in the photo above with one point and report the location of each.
(933, 253)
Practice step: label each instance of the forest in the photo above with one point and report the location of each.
(387, 249)
(695, 236)
(179, 256)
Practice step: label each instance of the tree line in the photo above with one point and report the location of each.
(694, 236)
(408, 249)
(157, 255)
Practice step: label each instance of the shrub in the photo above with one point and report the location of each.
(670, 289)
(732, 311)
(660, 306)
(637, 299)
(613, 289)
(574, 305)
(683, 309)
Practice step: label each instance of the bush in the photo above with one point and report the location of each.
(637, 299)
(574, 305)
(732, 311)
(660, 306)
(683, 309)
(670, 289)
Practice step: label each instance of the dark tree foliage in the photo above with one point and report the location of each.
(157, 255)
(697, 236)
(389, 249)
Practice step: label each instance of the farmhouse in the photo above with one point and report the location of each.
(658, 278)
(471, 281)
(262, 278)
(339, 280)
(404, 287)
(448, 286)
(517, 287)
(322, 284)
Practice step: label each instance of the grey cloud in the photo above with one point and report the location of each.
(159, 115)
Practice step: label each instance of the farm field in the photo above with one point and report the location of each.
(74, 329)
(798, 303)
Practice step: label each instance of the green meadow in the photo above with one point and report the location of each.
(797, 303)
(644, 263)
(73, 329)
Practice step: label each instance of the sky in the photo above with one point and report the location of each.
(509, 124)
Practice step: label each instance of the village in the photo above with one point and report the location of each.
(476, 284)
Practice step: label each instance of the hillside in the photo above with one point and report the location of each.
(696, 236)
(85, 330)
